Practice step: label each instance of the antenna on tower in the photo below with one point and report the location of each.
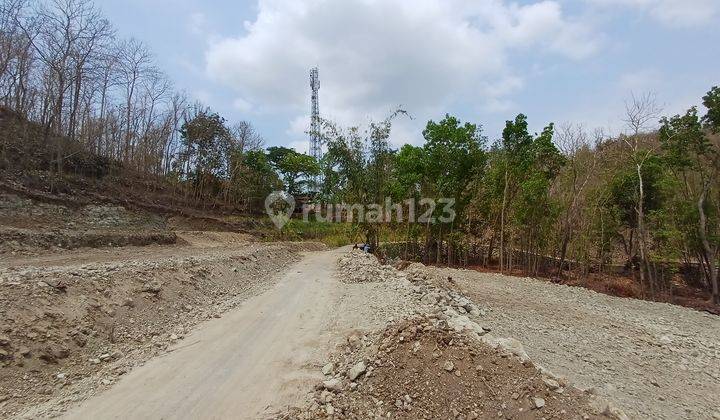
(315, 146)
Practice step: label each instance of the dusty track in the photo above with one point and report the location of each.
(75, 322)
(265, 353)
(652, 360)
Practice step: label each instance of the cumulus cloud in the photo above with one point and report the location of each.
(375, 55)
(672, 12)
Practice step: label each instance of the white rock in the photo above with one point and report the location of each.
(328, 369)
(333, 385)
(329, 410)
(326, 396)
(510, 345)
(551, 383)
(356, 370)
(539, 402)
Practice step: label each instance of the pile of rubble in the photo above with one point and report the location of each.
(424, 368)
(443, 362)
(361, 267)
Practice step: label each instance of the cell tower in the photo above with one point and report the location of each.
(315, 147)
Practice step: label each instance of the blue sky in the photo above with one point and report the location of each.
(484, 60)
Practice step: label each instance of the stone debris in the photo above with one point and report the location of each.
(328, 369)
(423, 305)
(362, 267)
(334, 385)
(357, 370)
(426, 387)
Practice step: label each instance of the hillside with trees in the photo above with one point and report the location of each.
(643, 205)
(83, 109)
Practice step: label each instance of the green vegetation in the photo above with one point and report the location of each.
(76, 100)
(542, 203)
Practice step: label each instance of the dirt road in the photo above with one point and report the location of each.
(283, 317)
(265, 353)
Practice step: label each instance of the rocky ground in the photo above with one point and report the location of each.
(411, 341)
(427, 352)
(70, 328)
(654, 360)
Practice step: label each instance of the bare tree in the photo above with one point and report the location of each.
(573, 141)
(135, 63)
(640, 111)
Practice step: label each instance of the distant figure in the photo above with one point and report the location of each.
(362, 247)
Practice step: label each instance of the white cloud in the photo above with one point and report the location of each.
(300, 146)
(375, 55)
(672, 12)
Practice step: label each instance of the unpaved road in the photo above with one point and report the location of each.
(263, 354)
(653, 360)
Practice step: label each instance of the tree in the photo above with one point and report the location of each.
(64, 34)
(712, 102)
(695, 159)
(516, 157)
(134, 64)
(453, 155)
(204, 136)
(297, 165)
(258, 179)
(296, 169)
(639, 112)
(581, 166)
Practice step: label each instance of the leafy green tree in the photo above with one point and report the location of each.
(695, 160)
(408, 172)
(204, 138)
(276, 154)
(453, 156)
(258, 178)
(516, 158)
(712, 103)
(297, 169)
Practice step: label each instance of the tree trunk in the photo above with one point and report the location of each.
(710, 253)
(640, 226)
(502, 223)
